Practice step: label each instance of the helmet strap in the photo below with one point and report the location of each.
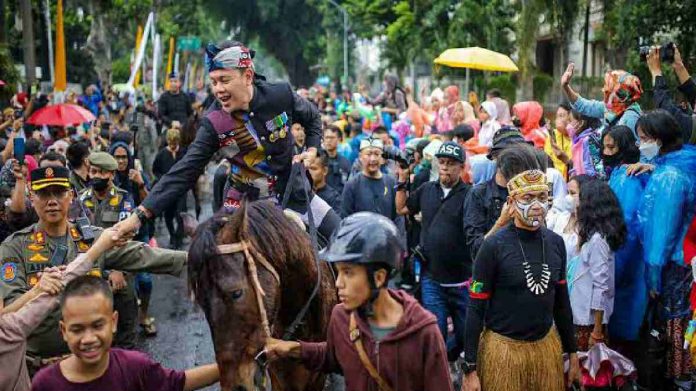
(367, 309)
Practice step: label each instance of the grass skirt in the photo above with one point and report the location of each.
(506, 364)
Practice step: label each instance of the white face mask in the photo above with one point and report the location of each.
(649, 150)
(566, 204)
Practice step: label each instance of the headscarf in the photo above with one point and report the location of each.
(490, 109)
(468, 110)
(621, 91)
(121, 178)
(229, 58)
(529, 114)
(452, 92)
(503, 110)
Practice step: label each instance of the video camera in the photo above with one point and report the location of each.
(404, 160)
(666, 52)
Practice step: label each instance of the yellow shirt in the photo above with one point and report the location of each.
(564, 143)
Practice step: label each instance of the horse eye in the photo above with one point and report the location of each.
(237, 294)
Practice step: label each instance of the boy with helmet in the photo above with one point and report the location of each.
(378, 338)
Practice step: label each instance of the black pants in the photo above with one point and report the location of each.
(126, 303)
(176, 235)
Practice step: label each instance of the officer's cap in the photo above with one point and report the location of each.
(103, 160)
(50, 176)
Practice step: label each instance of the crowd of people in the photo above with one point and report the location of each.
(521, 237)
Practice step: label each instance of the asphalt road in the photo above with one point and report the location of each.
(183, 337)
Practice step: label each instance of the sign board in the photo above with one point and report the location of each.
(188, 44)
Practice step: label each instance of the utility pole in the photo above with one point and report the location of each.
(28, 43)
(345, 39)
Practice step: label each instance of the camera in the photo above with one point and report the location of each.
(395, 154)
(666, 52)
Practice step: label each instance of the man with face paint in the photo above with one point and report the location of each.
(519, 289)
(250, 123)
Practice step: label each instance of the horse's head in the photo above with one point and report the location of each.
(235, 263)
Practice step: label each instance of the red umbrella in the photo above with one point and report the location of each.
(63, 114)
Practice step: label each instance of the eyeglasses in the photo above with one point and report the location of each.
(50, 193)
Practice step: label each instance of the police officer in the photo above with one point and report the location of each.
(55, 241)
(250, 123)
(108, 205)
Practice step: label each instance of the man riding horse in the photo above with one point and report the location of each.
(250, 124)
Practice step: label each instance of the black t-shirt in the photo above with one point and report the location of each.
(442, 232)
(363, 194)
(339, 170)
(331, 196)
(501, 293)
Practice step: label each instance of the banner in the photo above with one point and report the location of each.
(141, 51)
(138, 42)
(169, 63)
(61, 82)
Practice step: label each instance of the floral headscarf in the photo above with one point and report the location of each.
(621, 91)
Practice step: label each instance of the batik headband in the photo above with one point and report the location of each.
(527, 181)
(371, 142)
(234, 57)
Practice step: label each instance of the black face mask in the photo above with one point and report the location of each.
(99, 184)
(611, 160)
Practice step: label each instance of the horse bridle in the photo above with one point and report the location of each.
(251, 256)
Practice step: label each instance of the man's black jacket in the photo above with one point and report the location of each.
(269, 101)
(174, 107)
(481, 210)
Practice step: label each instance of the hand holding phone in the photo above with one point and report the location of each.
(18, 144)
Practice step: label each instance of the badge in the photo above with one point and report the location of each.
(127, 205)
(89, 204)
(38, 258)
(96, 272)
(9, 271)
(273, 137)
(75, 233)
(33, 279)
(35, 247)
(114, 201)
(283, 132)
(49, 172)
(82, 246)
(39, 238)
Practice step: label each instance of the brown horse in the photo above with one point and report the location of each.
(258, 255)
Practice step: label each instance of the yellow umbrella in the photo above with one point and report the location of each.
(476, 58)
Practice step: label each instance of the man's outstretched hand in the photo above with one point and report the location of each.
(125, 230)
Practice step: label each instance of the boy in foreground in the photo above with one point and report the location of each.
(377, 338)
(88, 325)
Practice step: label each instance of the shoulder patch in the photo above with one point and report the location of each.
(9, 271)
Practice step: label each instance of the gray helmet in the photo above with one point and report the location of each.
(365, 238)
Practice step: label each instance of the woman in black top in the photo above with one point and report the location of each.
(519, 293)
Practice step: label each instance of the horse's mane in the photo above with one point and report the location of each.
(262, 223)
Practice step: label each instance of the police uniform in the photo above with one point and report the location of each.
(116, 206)
(28, 251)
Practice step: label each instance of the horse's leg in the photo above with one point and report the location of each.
(293, 376)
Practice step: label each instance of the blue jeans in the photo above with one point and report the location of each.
(446, 302)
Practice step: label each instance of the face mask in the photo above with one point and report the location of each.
(99, 184)
(649, 150)
(566, 204)
(523, 213)
(611, 160)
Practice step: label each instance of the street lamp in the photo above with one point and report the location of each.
(345, 39)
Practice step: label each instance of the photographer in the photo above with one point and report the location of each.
(661, 95)
(448, 261)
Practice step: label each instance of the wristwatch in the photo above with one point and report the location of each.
(141, 215)
(468, 367)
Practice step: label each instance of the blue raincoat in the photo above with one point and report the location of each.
(667, 209)
(631, 297)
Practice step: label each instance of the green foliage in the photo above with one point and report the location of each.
(505, 83)
(9, 74)
(542, 84)
(121, 69)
